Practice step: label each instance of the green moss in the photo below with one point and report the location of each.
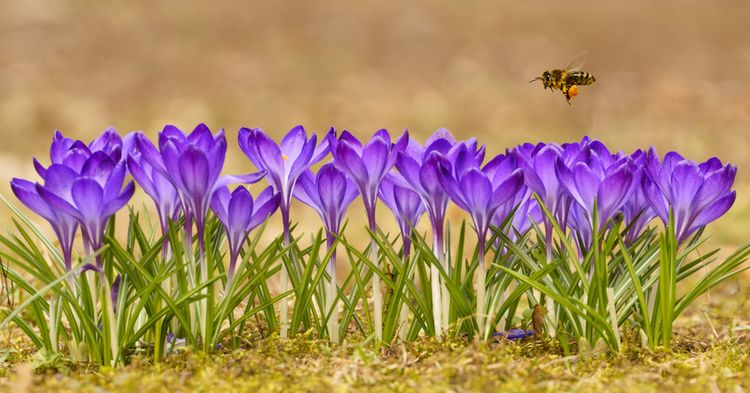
(306, 364)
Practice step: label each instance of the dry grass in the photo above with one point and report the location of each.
(306, 365)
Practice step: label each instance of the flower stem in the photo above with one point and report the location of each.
(377, 296)
(284, 306)
(437, 304)
(333, 320)
(480, 280)
(203, 264)
(404, 313)
(111, 322)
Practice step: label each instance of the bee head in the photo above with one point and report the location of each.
(546, 79)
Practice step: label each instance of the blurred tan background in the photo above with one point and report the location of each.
(676, 75)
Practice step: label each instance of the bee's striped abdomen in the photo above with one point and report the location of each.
(579, 78)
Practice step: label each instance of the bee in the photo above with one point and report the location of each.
(568, 78)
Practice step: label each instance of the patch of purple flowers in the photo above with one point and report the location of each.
(585, 187)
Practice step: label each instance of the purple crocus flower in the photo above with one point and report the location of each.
(330, 193)
(480, 192)
(697, 194)
(73, 153)
(240, 214)
(91, 196)
(515, 334)
(590, 183)
(406, 206)
(71, 160)
(636, 210)
(283, 163)
(418, 168)
(192, 164)
(161, 191)
(367, 165)
(538, 163)
(63, 224)
(527, 210)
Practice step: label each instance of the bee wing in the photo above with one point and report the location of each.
(577, 62)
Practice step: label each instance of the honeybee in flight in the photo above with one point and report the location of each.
(567, 79)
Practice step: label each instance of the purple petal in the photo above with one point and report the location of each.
(240, 211)
(194, 172)
(269, 155)
(88, 197)
(306, 190)
(216, 156)
(716, 185)
(399, 146)
(612, 192)
(249, 178)
(57, 203)
(331, 188)
(266, 195)
(245, 139)
(170, 132)
(149, 152)
(532, 179)
(409, 172)
(544, 164)
(348, 160)
(430, 180)
(586, 186)
(452, 188)
(464, 161)
(98, 167)
(375, 158)
(301, 162)
(201, 137)
(441, 135)
(477, 191)
(26, 192)
(386, 194)
(353, 142)
(293, 142)
(59, 181)
(143, 179)
(714, 210)
(171, 163)
(656, 199)
(323, 148)
(115, 204)
(220, 204)
(686, 182)
(113, 183)
(508, 189)
(264, 207)
(40, 169)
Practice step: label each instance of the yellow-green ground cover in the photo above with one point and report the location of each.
(711, 354)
